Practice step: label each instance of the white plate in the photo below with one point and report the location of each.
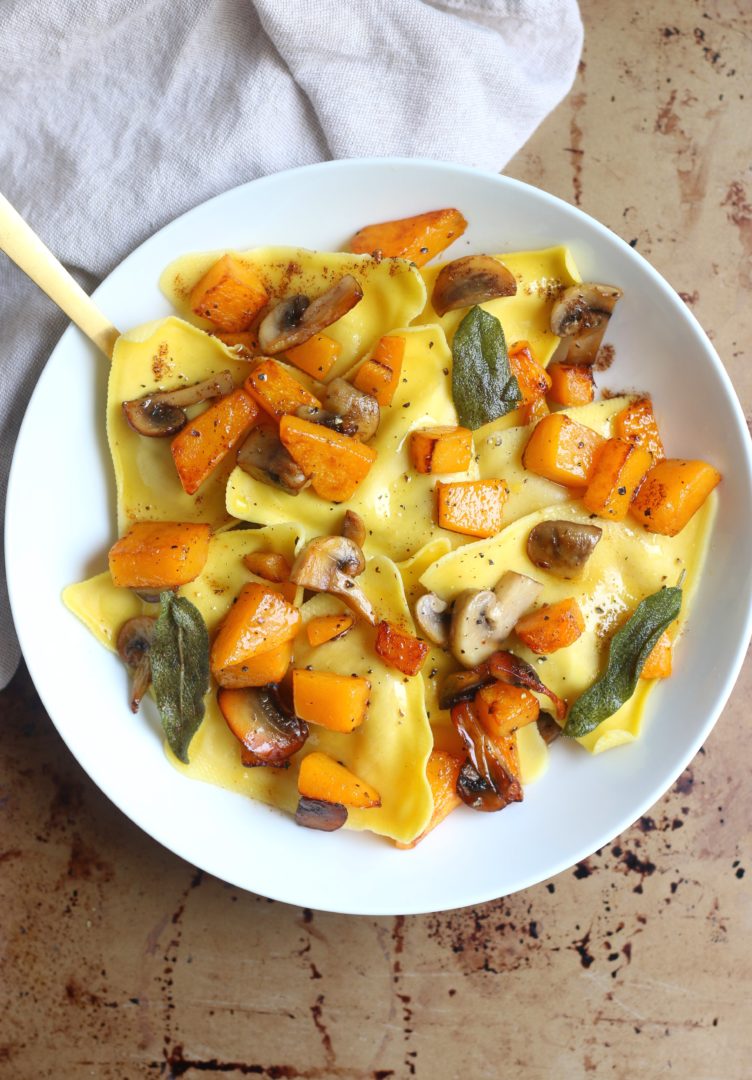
(60, 523)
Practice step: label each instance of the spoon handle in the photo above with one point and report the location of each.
(21, 244)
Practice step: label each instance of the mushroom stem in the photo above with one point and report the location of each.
(162, 413)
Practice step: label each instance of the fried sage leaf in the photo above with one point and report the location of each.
(483, 386)
(180, 670)
(630, 648)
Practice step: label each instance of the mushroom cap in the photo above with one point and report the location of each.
(562, 547)
(433, 618)
(268, 732)
(160, 414)
(331, 564)
(297, 318)
(473, 279)
(581, 315)
(483, 618)
(133, 645)
(355, 407)
(263, 457)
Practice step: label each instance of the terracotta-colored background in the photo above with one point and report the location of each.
(118, 960)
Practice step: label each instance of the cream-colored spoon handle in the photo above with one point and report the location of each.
(21, 244)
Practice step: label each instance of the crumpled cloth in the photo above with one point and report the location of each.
(118, 115)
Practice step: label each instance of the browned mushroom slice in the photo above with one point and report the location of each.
(463, 686)
(327, 419)
(580, 316)
(562, 547)
(471, 280)
(267, 732)
(548, 728)
(162, 413)
(263, 457)
(331, 564)
(476, 792)
(296, 319)
(317, 814)
(355, 408)
(354, 528)
(133, 644)
(485, 759)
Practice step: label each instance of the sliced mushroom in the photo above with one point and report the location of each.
(471, 280)
(354, 407)
(434, 618)
(296, 319)
(580, 316)
(463, 686)
(263, 457)
(330, 564)
(487, 762)
(133, 644)
(354, 528)
(483, 618)
(162, 413)
(327, 419)
(317, 814)
(548, 728)
(562, 547)
(476, 792)
(267, 732)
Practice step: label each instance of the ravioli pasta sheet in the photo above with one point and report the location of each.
(389, 751)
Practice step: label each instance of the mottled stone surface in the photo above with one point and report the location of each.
(118, 960)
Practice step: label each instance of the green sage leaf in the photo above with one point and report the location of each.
(630, 648)
(483, 386)
(180, 670)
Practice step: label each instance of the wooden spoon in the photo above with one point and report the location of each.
(21, 244)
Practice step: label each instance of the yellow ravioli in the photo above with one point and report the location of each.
(393, 290)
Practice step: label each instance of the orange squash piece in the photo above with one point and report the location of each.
(620, 468)
(316, 357)
(551, 627)
(417, 238)
(202, 444)
(268, 565)
(400, 650)
(533, 379)
(269, 667)
(671, 493)
(276, 391)
(562, 450)
(336, 702)
(571, 384)
(325, 628)
(379, 376)
(637, 424)
(659, 663)
(321, 777)
(441, 449)
(259, 621)
(230, 295)
(244, 339)
(335, 463)
(502, 708)
(471, 507)
(533, 411)
(442, 771)
(159, 554)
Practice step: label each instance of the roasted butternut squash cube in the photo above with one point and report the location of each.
(562, 450)
(659, 663)
(471, 507)
(441, 449)
(502, 708)
(259, 621)
(399, 649)
(321, 777)
(551, 627)
(268, 565)
(637, 424)
(206, 440)
(379, 376)
(417, 238)
(533, 379)
(316, 357)
(269, 667)
(159, 554)
(229, 295)
(620, 468)
(335, 463)
(671, 493)
(533, 411)
(336, 702)
(571, 384)
(442, 771)
(277, 391)
(325, 628)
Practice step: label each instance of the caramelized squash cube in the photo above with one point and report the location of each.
(268, 565)
(259, 621)
(321, 777)
(502, 708)
(442, 771)
(441, 449)
(277, 391)
(206, 440)
(562, 450)
(336, 702)
(471, 507)
(335, 463)
(399, 649)
(637, 424)
(268, 667)
(379, 376)
(533, 411)
(571, 384)
(316, 357)
(533, 379)
(551, 627)
(417, 238)
(620, 468)
(325, 628)
(230, 295)
(159, 554)
(671, 493)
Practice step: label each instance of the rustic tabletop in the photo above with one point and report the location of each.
(118, 960)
